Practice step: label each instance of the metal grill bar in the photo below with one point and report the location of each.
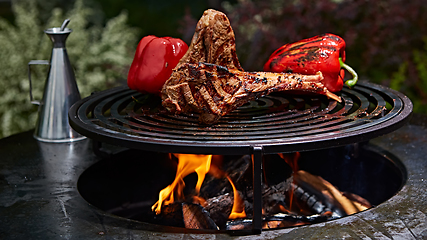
(257, 184)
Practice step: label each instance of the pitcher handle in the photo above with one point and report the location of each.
(35, 62)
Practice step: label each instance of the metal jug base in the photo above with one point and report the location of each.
(65, 140)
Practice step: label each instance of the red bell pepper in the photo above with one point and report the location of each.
(324, 53)
(153, 63)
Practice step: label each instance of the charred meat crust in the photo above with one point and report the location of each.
(211, 89)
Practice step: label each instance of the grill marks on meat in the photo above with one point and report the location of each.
(209, 79)
(214, 90)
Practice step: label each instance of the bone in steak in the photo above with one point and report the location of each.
(209, 79)
(214, 90)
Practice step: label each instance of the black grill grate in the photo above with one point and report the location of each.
(278, 122)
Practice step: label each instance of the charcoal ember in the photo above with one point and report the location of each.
(185, 215)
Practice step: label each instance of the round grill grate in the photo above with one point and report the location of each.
(277, 123)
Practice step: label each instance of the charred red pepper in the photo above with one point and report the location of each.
(153, 63)
(324, 53)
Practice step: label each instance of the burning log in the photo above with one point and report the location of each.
(219, 208)
(329, 195)
(171, 215)
(196, 217)
(186, 215)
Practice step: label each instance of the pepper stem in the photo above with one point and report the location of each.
(350, 82)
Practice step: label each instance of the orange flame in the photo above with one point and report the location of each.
(187, 164)
(238, 210)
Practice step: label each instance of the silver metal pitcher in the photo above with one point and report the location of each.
(60, 92)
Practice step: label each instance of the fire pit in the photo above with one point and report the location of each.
(128, 183)
(273, 124)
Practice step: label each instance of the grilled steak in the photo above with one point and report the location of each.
(214, 90)
(209, 79)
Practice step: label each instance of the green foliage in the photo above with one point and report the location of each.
(101, 56)
(420, 59)
(411, 79)
(399, 77)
